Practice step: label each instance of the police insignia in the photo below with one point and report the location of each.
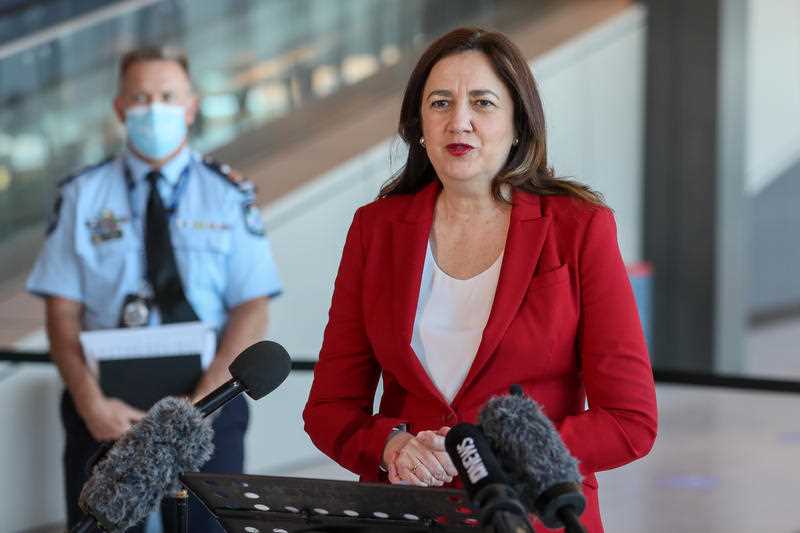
(252, 219)
(106, 227)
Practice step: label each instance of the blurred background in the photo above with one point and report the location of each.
(684, 114)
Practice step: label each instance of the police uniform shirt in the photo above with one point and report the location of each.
(94, 252)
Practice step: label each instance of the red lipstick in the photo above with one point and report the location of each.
(459, 149)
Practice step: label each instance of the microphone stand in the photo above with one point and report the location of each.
(570, 520)
(182, 504)
(87, 525)
(501, 511)
(504, 522)
(175, 512)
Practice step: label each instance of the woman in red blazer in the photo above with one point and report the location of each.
(561, 321)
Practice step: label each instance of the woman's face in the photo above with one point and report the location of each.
(467, 119)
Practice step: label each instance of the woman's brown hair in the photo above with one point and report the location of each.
(526, 167)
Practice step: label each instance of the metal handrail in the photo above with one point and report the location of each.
(673, 377)
(303, 363)
(71, 26)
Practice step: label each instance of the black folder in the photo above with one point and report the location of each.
(142, 381)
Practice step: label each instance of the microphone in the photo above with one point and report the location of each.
(173, 437)
(540, 466)
(258, 370)
(484, 480)
(133, 474)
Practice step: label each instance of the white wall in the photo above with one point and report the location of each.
(592, 89)
(773, 90)
(307, 229)
(593, 95)
(30, 447)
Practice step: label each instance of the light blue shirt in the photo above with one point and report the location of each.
(94, 252)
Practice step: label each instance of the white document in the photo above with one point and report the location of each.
(186, 338)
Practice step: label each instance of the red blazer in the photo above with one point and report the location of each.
(563, 325)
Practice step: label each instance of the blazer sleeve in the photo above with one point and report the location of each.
(620, 424)
(338, 415)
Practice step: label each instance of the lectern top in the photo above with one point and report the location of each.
(271, 504)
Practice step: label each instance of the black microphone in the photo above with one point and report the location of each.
(173, 437)
(258, 370)
(484, 480)
(133, 474)
(541, 468)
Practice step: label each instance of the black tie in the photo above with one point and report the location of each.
(162, 271)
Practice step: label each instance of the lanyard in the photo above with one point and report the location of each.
(177, 190)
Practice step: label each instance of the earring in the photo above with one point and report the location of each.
(515, 141)
(422, 141)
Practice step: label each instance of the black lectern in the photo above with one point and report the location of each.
(268, 504)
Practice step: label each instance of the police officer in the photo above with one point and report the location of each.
(100, 268)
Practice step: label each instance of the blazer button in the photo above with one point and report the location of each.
(450, 419)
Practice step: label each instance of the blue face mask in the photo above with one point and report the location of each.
(157, 130)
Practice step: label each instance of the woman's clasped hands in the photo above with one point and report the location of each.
(419, 459)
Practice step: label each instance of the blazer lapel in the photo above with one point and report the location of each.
(410, 235)
(526, 234)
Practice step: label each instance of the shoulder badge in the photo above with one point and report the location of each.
(231, 175)
(252, 219)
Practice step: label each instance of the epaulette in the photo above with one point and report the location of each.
(230, 175)
(52, 222)
(64, 181)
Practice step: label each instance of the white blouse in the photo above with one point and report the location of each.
(448, 327)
